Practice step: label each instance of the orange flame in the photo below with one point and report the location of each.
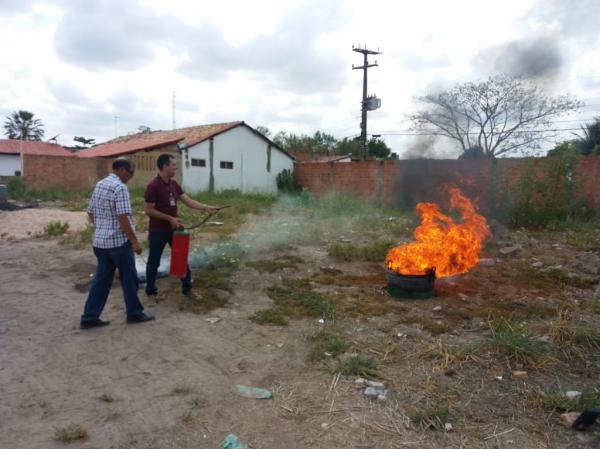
(449, 247)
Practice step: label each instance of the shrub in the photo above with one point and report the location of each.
(286, 182)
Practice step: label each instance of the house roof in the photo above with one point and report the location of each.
(113, 149)
(154, 139)
(13, 146)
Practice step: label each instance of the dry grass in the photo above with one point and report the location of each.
(70, 433)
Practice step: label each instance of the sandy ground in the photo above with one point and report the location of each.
(52, 373)
(29, 222)
(170, 383)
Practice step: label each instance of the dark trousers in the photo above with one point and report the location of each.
(109, 259)
(158, 241)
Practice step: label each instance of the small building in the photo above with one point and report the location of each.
(11, 151)
(215, 157)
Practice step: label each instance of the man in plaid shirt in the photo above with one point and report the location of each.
(114, 243)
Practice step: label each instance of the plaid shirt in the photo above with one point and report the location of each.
(109, 200)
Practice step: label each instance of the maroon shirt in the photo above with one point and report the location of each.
(164, 196)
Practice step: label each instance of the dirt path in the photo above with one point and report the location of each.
(30, 222)
(52, 373)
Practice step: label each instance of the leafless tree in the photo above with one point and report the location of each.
(498, 116)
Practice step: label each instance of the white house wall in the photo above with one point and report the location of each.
(248, 152)
(9, 164)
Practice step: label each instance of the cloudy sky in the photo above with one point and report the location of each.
(285, 65)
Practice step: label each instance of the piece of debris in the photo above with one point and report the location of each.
(371, 392)
(463, 296)
(586, 419)
(568, 419)
(498, 377)
(537, 264)
(520, 374)
(324, 425)
(401, 335)
(448, 427)
(487, 262)
(572, 394)
(330, 270)
(215, 223)
(321, 321)
(280, 345)
(509, 250)
(212, 320)
(360, 381)
(437, 308)
(231, 442)
(544, 339)
(375, 390)
(253, 392)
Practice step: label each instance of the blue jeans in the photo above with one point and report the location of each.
(110, 259)
(158, 240)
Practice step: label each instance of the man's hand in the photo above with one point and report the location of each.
(137, 248)
(212, 209)
(175, 223)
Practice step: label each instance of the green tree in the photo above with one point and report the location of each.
(22, 125)
(377, 148)
(83, 143)
(264, 131)
(501, 115)
(590, 142)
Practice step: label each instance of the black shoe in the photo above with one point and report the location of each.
(141, 318)
(88, 324)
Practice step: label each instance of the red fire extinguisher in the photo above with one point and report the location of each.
(180, 249)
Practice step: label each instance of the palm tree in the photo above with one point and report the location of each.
(22, 125)
(590, 142)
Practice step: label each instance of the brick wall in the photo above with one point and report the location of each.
(404, 183)
(66, 172)
(77, 173)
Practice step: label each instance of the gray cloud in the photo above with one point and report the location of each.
(289, 59)
(533, 57)
(109, 34)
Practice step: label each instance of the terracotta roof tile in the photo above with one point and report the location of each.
(13, 146)
(143, 141)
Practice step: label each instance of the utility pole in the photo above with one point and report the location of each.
(368, 103)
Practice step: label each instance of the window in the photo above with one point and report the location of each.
(227, 165)
(198, 162)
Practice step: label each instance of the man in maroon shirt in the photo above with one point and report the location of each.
(162, 194)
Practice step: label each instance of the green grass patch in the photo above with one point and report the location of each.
(374, 252)
(433, 417)
(574, 337)
(513, 342)
(558, 401)
(55, 228)
(272, 316)
(275, 264)
(296, 298)
(70, 433)
(17, 190)
(326, 344)
(219, 278)
(549, 277)
(357, 365)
